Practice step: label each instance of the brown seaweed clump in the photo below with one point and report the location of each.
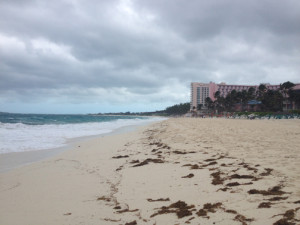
(160, 145)
(147, 161)
(237, 176)
(158, 200)
(217, 178)
(267, 173)
(265, 205)
(283, 221)
(233, 184)
(237, 184)
(288, 218)
(208, 207)
(242, 219)
(188, 176)
(120, 156)
(103, 198)
(131, 223)
(278, 198)
(127, 210)
(271, 191)
(180, 208)
(193, 166)
(231, 211)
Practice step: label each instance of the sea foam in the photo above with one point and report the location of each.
(19, 137)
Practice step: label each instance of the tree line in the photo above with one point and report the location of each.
(267, 99)
(178, 109)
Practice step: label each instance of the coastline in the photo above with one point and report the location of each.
(12, 160)
(201, 170)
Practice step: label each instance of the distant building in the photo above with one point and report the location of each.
(200, 91)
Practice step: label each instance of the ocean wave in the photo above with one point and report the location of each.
(20, 137)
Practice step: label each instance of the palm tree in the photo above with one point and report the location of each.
(272, 100)
(285, 88)
(217, 94)
(251, 93)
(209, 103)
(260, 92)
(230, 100)
(244, 99)
(260, 95)
(294, 96)
(219, 102)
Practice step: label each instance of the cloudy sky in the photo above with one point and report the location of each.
(87, 56)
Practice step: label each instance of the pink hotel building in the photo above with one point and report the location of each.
(200, 91)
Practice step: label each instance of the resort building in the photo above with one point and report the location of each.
(200, 91)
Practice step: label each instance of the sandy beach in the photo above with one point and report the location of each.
(179, 171)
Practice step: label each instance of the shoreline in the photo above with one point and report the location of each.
(12, 160)
(176, 171)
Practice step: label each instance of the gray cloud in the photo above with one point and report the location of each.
(122, 51)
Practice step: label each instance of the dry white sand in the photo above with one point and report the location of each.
(196, 171)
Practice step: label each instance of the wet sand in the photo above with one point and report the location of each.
(179, 171)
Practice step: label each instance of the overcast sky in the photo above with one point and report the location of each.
(88, 56)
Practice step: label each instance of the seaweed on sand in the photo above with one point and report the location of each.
(283, 221)
(210, 164)
(290, 214)
(265, 205)
(250, 168)
(267, 173)
(193, 166)
(158, 200)
(278, 198)
(127, 210)
(182, 153)
(288, 218)
(103, 198)
(271, 191)
(160, 145)
(212, 207)
(188, 176)
(237, 176)
(120, 168)
(208, 207)
(120, 156)
(180, 208)
(131, 223)
(242, 219)
(209, 160)
(231, 211)
(217, 178)
(237, 184)
(233, 184)
(147, 161)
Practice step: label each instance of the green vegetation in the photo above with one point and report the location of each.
(263, 99)
(179, 109)
(175, 110)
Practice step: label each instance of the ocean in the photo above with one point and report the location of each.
(31, 132)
